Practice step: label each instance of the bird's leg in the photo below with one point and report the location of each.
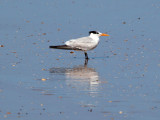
(86, 55)
(86, 62)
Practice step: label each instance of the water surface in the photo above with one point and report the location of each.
(120, 81)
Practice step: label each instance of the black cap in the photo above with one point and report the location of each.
(94, 32)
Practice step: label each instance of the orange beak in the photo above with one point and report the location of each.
(104, 34)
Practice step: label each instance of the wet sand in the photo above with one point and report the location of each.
(120, 80)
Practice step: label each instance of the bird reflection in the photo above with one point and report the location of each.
(80, 77)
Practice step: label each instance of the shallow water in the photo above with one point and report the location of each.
(121, 80)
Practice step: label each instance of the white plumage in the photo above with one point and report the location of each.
(83, 43)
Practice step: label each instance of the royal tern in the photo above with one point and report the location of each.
(82, 44)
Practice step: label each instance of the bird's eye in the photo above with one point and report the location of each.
(95, 32)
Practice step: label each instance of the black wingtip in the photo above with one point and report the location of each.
(60, 47)
(52, 46)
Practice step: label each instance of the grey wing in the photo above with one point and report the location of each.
(84, 43)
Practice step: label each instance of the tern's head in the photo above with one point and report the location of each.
(96, 33)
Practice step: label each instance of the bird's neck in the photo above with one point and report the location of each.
(95, 37)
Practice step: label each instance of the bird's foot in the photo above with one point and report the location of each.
(86, 58)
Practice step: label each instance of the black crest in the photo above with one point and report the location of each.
(94, 32)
